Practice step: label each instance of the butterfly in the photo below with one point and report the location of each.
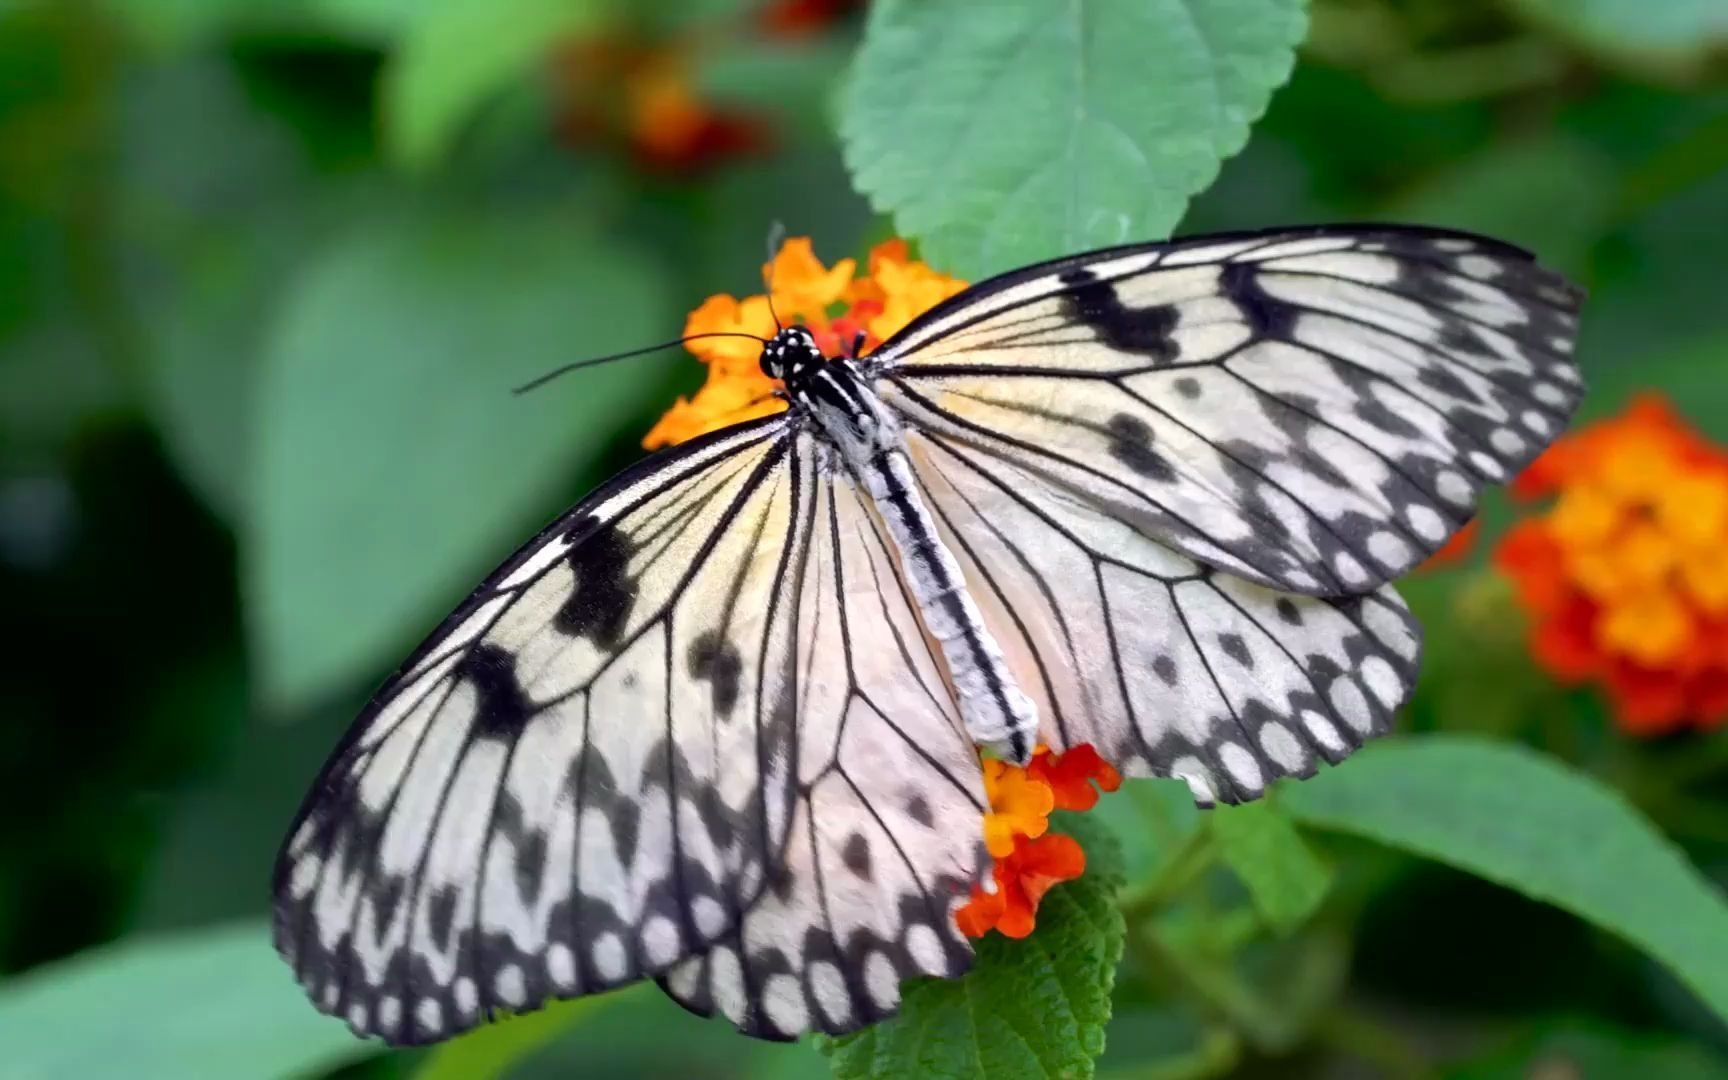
(719, 724)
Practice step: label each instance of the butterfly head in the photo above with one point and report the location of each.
(788, 352)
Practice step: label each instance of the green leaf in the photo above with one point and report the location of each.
(1551, 194)
(393, 466)
(488, 1052)
(455, 56)
(1674, 30)
(1151, 819)
(1690, 376)
(214, 215)
(1511, 816)
(1035, 1007)
(1003, 133)
(211, 1002)
(1585, 1048)
(180, 25)
(1285, 879)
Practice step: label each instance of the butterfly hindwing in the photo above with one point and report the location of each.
(1167, 666)
(1316, 410)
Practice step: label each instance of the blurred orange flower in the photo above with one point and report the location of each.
(1028, 858)
(1456, 549)
(1625, 576)
(835, 302)
(611, 88)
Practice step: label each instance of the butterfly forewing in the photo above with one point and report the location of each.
(599, 765)
(1315, 410)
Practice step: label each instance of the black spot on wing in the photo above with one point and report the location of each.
(1287, 611)
(715, 660)
(1131, 444)
(1188, 387)
(1266, 316)
(441, 914)
(856, 855)
(503, 709)
(1236, 649)
(599, 605)
(918, 809)
(1095, 304)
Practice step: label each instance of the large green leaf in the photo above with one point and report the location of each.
(1035, 1007)
(453, 57)
(213, 215)
(1285, 879)
(211, 1002)
(392, 464)
(1509, 815)
(1003, 133)
(1586, 1048)
(1551, 194)
(491, 1050)
(1673, 30)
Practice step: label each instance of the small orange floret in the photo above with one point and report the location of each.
(1071, 776)
(1028, 858)
(1020, 805)
(1623, 575)
(1456, 548)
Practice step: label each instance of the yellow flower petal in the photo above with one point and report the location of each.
(1705, 576)
(1695, 509)
(1585, 514)
(1652, 629)
(724, 315)
(803, 287)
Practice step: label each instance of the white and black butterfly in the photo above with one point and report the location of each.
(717, 724)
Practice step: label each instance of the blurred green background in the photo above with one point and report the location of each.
(268, 269)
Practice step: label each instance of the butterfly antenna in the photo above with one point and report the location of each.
(776, 237)
(646, 349)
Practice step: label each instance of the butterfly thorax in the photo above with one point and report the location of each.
(833, 393)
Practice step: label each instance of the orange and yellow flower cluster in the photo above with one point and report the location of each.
(836, 302)
(1625, 576)
(1029, 859)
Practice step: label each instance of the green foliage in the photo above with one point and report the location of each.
(1583, 1049)
(491, 1051)
(1035, 1007)
(273, 266)
(385, 407)
(454, 56)
(210, 1002)
(1000, 134)
(1676, 28)
(1509, 815)
(1285, 879)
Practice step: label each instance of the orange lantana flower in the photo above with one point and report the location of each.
(1028, 859)
(1625, 576)
(834, 302)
